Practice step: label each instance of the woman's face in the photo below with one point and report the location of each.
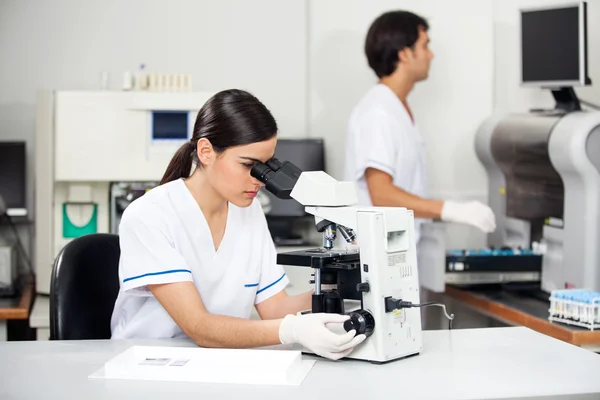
(229, 171)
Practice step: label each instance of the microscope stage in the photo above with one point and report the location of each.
(321, 258)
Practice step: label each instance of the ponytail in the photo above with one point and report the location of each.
(181, 164)
(230, 118)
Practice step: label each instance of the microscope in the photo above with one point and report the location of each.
(380, 274)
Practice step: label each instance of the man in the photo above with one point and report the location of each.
(384, 151)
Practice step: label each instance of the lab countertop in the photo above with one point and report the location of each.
(512, 362)
(527, 308)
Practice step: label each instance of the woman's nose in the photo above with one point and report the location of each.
(256, 182)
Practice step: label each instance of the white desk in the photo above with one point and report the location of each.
(459, 364)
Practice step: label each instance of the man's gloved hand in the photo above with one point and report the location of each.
(471, 212)
(310, 330)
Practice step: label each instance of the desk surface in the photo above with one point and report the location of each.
(525, 311)
(460, 364)
(18, 307)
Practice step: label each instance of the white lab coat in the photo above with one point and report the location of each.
(382, 135)
(165, 238)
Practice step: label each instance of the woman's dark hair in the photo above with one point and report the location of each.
(230, 118)
(388, 34)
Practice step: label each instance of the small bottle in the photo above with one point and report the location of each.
(127, 81)
(104, 80)
(141, 79)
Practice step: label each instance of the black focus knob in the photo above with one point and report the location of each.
(361, 321)
(363, 287)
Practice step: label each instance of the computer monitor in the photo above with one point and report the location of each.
(12, 174)
(306, 154)
(554, 46)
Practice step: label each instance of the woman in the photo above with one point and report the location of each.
(196, 253)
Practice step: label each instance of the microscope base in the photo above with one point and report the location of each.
(353, 358)
(364, 351)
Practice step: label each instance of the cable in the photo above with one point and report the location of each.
(433, 303)
(391, 303)
(591, 105)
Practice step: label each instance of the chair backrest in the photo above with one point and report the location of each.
(84, 287)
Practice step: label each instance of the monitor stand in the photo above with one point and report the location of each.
(566, 99)
(566, 102)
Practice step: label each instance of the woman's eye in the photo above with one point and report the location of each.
(248, 165)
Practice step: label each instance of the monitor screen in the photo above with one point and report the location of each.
(553, 46)
(306, 154)
(170, 125)
(12, 174)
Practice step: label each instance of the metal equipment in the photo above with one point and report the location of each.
(544, 187)
(87, 140)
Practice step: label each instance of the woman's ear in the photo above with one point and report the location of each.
(205, 151)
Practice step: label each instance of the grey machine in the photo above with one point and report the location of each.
(544, 165)
(544, 188)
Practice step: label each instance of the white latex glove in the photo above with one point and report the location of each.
(310, 331)
(472, 212)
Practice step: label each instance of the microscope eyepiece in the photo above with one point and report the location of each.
(261, 172)
(279, 178)
(274, 164)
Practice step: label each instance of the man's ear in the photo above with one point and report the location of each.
(205, 151)
(405, 55)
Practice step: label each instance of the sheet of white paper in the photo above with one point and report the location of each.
(229, 366)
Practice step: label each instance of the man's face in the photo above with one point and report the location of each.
(419, 57)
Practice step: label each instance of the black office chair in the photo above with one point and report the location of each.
(84, 287)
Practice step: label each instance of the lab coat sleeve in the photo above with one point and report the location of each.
(272, 276)
(374, 144)
(148, 255)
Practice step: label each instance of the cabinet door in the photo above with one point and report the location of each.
(107, 136)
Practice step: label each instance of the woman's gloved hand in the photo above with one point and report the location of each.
(311, 331)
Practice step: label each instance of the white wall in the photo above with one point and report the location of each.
(303, 58)
(66, 44)
(508, 95)
(256, 45)
(261, 46)
(449, 106)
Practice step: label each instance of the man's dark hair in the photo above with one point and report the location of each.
(388, 34)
